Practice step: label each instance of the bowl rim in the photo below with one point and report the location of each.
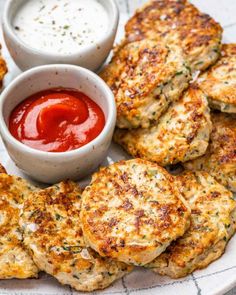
(112, 29)
(110, 121)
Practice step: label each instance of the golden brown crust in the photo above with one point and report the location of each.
(220, 159)
(154, 18)
(179, 22)
(219, 82)
(53, 234)
(213, 222)
(228, 50)
(145, 77)
(15, 262)
(3, 68)
(131, 212)
(181, 134)
(2, 169)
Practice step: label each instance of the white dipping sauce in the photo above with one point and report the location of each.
(60, 26)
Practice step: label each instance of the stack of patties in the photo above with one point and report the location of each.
(132, 213)
(159, 119)
(135, 212)
(184, 132)
(219, 84)
(40, 230)
(129, 214)
(52, 231)
(181, 134)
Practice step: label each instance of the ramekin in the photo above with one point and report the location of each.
(49, 167)
(90, 57)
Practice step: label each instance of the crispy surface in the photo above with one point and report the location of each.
(15, 261)
(181, 134)
(131, 212)
(145, 77)
(52, 232)
(220, 159)
(219, 82)
(3, 68)
(178, 22)
(213, 222)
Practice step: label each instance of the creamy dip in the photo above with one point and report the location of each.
(60, 26)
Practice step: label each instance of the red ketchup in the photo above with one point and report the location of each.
(57, 120)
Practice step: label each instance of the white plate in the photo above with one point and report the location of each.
(216, 279)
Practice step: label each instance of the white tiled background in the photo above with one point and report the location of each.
(224, 11)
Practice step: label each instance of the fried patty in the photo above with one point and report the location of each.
(131, 211)
(145, 77)
(181, 23)
(52, 232)
(219, 82)
(3, 68)
(15, 261)
(220, 158)
(213, 222)
(181, 134)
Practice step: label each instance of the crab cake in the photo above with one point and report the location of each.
(181, 23)
(131, 212)
(3, 68)
(213, 222)
(145, 76)
(220, 159)
(181, 134)
(52, 232)
(219, 82)
(15, 261)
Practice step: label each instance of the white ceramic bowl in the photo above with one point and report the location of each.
(90, 57)
(51, 167)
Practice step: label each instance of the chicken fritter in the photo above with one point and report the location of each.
(219, 82)
(145, 77)
(181, 134)
(213, 222)
(131, 211)
(15, 261)
(220, 158)
(178, 22)
(52, 232)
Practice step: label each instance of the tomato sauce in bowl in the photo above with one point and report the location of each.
(57, 120)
